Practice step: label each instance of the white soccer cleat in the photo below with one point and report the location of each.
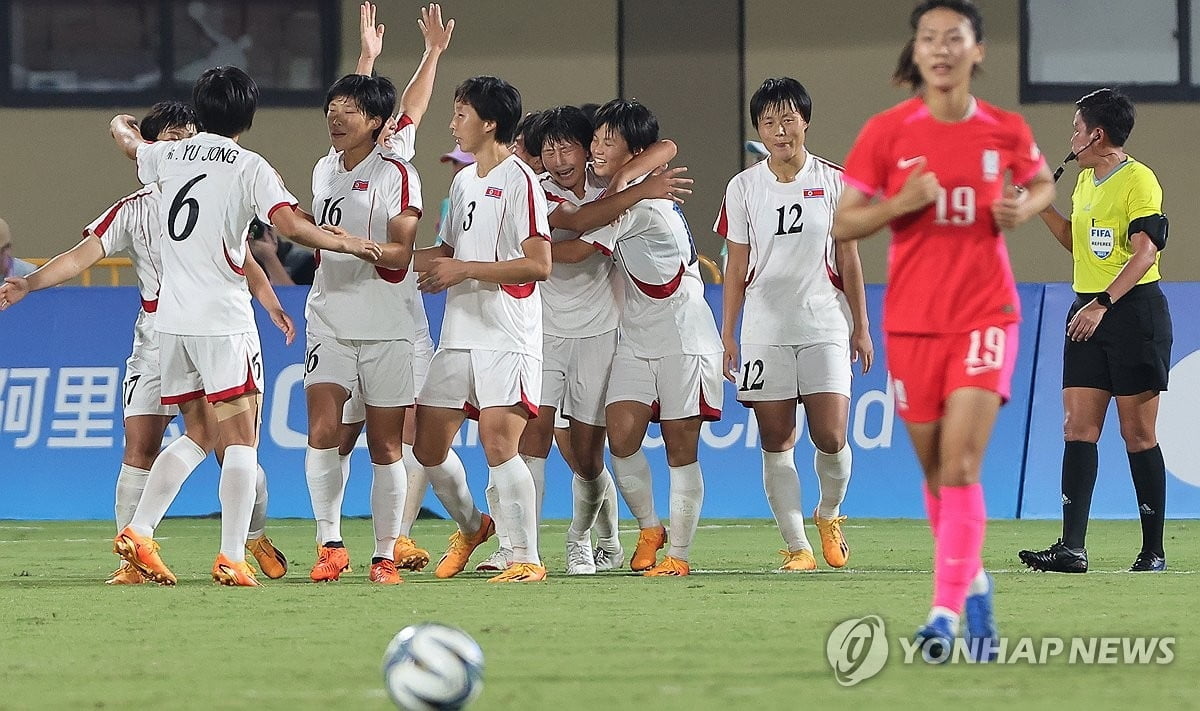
(609, 554)
(579, 558)
(498, 561)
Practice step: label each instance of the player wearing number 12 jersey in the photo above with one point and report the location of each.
(935, 169)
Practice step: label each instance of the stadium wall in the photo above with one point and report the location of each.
(61, 435)
(680, 57)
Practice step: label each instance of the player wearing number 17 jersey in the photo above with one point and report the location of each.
(935, 169)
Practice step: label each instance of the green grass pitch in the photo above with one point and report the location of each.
(732, 636)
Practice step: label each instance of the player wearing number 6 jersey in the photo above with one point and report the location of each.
(935, 169)
(798, 288)
(212, 188)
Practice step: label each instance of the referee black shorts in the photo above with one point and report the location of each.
(1130, 353)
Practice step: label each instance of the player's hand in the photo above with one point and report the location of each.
(13, 290)
(370, 35)
(1084, 323)
(443, 273)
(388, 130)
(1007, 211)
(862, 349)
(666, 184)
(920, 189)
(730, 359)
(121, 122)
(437, 35)
(284, 323)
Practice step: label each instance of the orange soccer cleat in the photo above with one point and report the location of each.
(384, 572)
(521, 573)
(461, 548)
(650, 541)
(142, 553)
(797, 561)
(408, 556)
(271, 560)
(238, 575)
(669, 567)
(833, 544)
(126, 574)
(331, 563)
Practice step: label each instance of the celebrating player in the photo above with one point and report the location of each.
(935, 169)
(796, 344)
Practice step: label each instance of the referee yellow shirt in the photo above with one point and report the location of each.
(1100, 215)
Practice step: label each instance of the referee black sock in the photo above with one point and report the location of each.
(1080, 462)
(1150, 484)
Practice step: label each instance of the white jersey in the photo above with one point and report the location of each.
(578, 300)
(131, 226)
(490, 217)
(211, 189)
(664, 311)
(793, 289)
(351, 298)
(404, 141)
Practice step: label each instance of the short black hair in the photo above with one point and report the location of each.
(375, 96)
(165, 115)
(589, 110)
(907, 73)
(780, 91)
(1110, 110)
(636, 123)
(225, 99)
(561, 123)
(494, 100)
(527, 128)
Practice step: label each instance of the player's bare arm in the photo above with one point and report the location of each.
(125, 132)
(414, 101)
(656, 155)
(61, 268)
(260, 289)
(1018, 205)
(662, 184)
(733, 298)
(333, 239)
(422, 259)
(571, 251)
(370, 39)
(854, 287)
(1058, 224)
(858, 217)
(402, 233)
(445, 272)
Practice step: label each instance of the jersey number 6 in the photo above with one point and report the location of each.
(193, 210)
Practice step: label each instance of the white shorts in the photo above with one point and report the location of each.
(676, 387)
(142, 388)
(575, 375)
(475, 379)
(382, 370)
(217, 367)
(773, 373)
(355, 410)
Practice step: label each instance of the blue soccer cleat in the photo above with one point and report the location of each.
(981, 635)
(936, 640)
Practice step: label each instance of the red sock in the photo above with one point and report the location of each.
(959, 544)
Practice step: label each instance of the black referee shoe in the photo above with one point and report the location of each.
(1058, 558)
(1148, 563)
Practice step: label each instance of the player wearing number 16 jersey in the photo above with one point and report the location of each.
(935, 169)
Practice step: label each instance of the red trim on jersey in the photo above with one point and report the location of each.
(228, 260)
(828, 163)
(723, 221)
(282, 204)
(403, 121)
(316, 257)
(708, 413)
(149, 306)
(554, 198)
(112, 214)
(750, 277)
(247, 387)
(471, 410)
(834, 277)
(602, 249)
(520, 291)
(532, 214)
(403, 182)
(391, 276)
(180, 399)
(660, 291)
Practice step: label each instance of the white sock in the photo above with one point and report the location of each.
(944, 612)
(608, 518)
(587, 497)
(388, 488)
(323, 471)
(537, 468)
(171, 468)
(449, 480)
(492, 494)
(833, 471)
(781, 481)
(687, 496)
(414, 495)
(238, 473)
(258, 516)
(633, 478)
(515, 490)
(131, 481)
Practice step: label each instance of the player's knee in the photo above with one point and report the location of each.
(323, 435)
(385, 451)
(1138, 436)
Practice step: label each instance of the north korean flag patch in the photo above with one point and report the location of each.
(493, 192)
(360, 185)
(814, 192)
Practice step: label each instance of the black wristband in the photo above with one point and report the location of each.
(1105, 300)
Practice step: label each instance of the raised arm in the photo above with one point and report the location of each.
(370, 37)
(61, 268)
(658, 154)
(415, 99)
(125, 132)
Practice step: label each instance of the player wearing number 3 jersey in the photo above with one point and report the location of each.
(941, 170)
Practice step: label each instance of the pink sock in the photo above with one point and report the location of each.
(959, 544)
(933, 507)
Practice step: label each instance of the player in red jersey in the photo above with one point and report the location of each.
(942, 170)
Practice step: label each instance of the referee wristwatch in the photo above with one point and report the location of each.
(1105, 300)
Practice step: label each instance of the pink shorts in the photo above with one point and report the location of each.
(926, 368)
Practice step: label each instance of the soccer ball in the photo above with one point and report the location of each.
(433, 666)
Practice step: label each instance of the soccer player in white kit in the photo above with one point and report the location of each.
(132, 226)
(495, 248)
(797, 287)
(667, 365)
(211, 188)
(359, 315)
